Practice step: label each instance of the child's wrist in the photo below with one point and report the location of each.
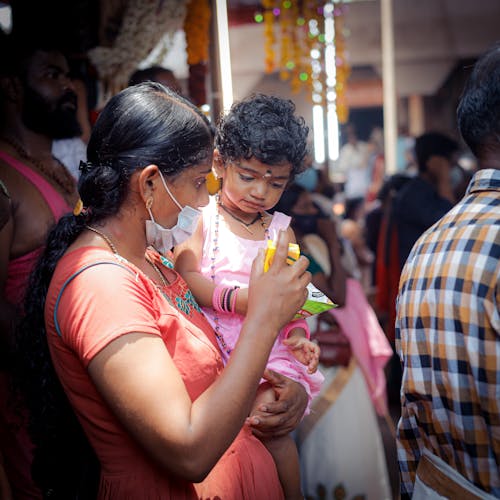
(224, 298)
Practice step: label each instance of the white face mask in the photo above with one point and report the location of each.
(164, 239)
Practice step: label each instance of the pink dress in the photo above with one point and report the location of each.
(233, 262)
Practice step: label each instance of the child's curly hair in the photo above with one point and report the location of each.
(264, 127)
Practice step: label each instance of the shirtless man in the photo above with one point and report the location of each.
(37, 105)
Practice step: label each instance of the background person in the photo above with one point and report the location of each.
(423, 200)
(340, 436)
(38, 105)
(158, 74)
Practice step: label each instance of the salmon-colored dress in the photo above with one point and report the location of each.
(114, 298)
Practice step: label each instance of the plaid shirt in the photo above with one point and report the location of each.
(448, 339)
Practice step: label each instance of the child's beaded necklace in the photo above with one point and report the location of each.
(215, 249)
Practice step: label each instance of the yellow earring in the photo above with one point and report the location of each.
(214, 184)
(149, 203)
(78, 207)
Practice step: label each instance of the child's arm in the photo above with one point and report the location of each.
(303, 349)
(187, 257)
(187, 263)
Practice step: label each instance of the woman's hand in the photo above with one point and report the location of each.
(280, 417)
(280, 292)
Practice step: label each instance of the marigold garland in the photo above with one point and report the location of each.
(197, 32)
(300, 29)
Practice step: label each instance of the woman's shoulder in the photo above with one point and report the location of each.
(93, 268)
(79, 259)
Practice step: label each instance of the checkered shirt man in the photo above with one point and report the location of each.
(448, 339)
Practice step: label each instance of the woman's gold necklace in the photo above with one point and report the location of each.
(104, 237)
(156, 268)
(115, 251)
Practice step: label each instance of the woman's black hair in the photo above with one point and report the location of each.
(142, 125)
(266, 128)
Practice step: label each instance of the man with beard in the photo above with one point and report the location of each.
(37, 105)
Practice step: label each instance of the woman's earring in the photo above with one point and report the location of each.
(214, 184)
(149, 203)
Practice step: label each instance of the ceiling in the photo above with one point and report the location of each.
(430, 37)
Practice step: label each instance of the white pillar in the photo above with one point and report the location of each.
(220, 60)
(389, 86)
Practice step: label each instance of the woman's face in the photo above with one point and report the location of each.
(188, 188)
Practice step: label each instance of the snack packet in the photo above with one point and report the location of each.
(316, 302)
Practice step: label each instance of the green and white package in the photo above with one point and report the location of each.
(316, 303)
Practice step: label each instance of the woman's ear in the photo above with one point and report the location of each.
(148, 177)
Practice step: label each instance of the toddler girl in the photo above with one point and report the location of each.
(260, 145)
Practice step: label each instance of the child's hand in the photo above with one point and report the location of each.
(304, 350)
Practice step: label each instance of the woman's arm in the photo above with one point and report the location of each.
(140, 382)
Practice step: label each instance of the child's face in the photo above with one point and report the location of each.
(252, 186)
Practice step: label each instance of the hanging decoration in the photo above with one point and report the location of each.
(288, 39)
(294, 45)
(343, 69)
(197, 31)
(144, 23)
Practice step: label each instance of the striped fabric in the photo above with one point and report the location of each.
(448, 339)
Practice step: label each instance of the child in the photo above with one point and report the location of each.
(260, 146)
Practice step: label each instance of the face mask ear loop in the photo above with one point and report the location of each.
(149, 204)
(168, 191)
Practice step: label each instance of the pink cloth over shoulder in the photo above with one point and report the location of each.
(19, 269)
(368, 341)
(232, 261)
(15, 443)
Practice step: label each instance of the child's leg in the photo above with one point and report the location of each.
(283, 451)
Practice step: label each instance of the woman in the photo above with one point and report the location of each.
(137, 361)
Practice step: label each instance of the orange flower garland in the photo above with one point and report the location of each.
(197, 32)
(301, 30)
(196, 29)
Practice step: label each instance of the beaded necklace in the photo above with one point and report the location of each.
(61, 176)
(215, 249)
(246, 225)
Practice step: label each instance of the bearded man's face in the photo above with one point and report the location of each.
(49, 102)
